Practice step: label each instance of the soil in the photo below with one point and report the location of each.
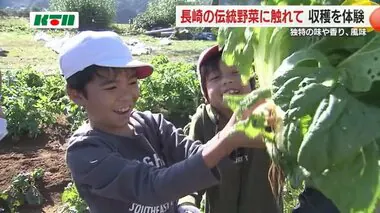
(47, 151)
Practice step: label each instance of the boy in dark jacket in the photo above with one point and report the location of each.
(125, 160)
(244, 187)
(244, 184)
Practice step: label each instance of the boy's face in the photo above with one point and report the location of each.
(225, 81)
(111, 96)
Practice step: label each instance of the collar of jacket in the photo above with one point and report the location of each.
(213, 115)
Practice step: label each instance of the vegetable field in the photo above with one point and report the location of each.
(40, 117)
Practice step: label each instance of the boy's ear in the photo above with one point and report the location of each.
(205, 100)
(76, 96)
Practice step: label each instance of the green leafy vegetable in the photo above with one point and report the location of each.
(359, 174)
(362, 67)
(22, 191)
(255, 124)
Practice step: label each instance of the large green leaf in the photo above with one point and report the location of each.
(233, 46)
(362, 67)
(337, 49)
(316, 141)
(354, 185)
(348, 134)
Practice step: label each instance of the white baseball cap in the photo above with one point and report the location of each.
(102, 48)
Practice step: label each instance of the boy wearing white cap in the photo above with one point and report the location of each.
(124, 160)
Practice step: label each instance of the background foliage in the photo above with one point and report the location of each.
(93, 14)
(172, 89)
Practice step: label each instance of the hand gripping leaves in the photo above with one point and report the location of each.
(326, 95)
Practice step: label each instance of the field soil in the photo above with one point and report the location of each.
(25, 154)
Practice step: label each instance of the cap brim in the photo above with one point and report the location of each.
(208, 53)
(143, 70)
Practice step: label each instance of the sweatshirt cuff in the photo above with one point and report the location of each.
(207, 177)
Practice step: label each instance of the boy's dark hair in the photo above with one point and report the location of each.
(79, 80)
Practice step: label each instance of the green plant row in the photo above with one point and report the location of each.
(94, 14)
(23, 190)
(33, 101)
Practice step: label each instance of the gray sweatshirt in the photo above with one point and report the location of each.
(145, 173)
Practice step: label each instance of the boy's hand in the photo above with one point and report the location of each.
(239, 139)
(228, 139)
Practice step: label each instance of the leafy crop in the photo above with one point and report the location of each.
(94, 14)
(28, 102)
(160, 13)
(73, 203)
(23, 190)
(33, 101)
(172, 89)
(325, 92)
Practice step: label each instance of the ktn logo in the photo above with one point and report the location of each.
(54, 20)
